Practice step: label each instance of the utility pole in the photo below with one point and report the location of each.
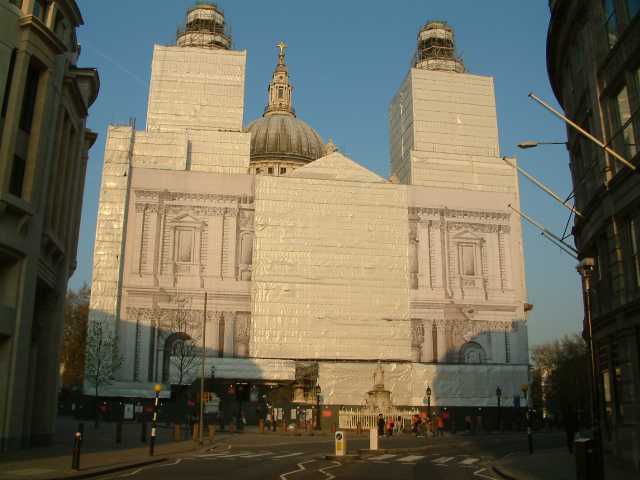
(204, 326)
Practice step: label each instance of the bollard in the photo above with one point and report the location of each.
(530, 439)
(177, 432)
(373, 439)
(81, 430)
(143, 432)
(261, 426)
(212, 432)
(196, 432)
(341, 444)
(75, 460)
(119, 432)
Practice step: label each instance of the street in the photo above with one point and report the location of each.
(404, 458)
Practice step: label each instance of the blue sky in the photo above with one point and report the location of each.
(346, 59)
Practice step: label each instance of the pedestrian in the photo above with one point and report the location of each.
(380, 425)
(398, 424)
(390, 424)
(570, 426)
(440, 425)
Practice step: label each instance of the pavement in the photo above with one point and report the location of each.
(556, 464)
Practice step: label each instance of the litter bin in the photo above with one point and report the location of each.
(588, 465)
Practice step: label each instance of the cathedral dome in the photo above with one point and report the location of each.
(281, 142)
(284, 137)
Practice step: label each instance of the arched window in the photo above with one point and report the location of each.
(472, 352)
(177, 345)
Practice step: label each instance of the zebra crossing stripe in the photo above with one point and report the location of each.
(241, 454)
(442, 460)
(295, 454)
(386, 456)
(411, 458)
(469, 461)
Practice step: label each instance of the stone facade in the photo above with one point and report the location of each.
(329, 265)
(44, 146)
(592, 54)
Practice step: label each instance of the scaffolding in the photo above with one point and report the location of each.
(204, 27)
(436, 49)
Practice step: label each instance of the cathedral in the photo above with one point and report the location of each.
(297, 266)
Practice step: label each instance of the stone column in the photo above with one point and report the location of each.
(424, 261)
(229, 329)
(215, 233)
(442, 343)
(136, 263)
(427, 345)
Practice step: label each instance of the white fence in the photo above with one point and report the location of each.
(355, 418)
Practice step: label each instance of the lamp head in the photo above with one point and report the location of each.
(428, 391)
(527, 144)
(157, 388)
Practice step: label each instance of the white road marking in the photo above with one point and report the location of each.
(300, 469)
(295, 454)
(469, 461)
(411, 458)
(257, 455)
(130, 474)
(386, 456)
(230, 455)
(479, 473)
(442, 460)
(329, 476)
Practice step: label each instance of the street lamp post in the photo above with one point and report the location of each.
(318, 391)
(499, 397)
(585, 269)
(428, 392)
(529, 144)
(154, 422)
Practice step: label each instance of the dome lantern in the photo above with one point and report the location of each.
(280, 90)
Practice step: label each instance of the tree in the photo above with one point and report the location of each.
(561, 376)
(76, 314)
(181, 344)
(102, 358)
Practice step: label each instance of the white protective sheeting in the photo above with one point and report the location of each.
(330, 268)
(451, 385)
(196, 88)
(264, 369)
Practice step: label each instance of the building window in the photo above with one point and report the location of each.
(40, 9)
(612, 26)
(280, 92)
(623, 137)
(633, 7)
(634, 252)
(17, 176)
(29, 100)
(283, 170)
(59, 26)
(258, 171)
(184, 246)
(467, 260)
(270, 170)
(7, 86)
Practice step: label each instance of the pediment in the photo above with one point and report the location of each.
(337, 166)
(186, 219)
(467, 235)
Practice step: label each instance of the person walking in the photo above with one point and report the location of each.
(440, 425)
(381, 424)
(390, 424)
(570, 426)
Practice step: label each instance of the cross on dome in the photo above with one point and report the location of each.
(282, 46)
